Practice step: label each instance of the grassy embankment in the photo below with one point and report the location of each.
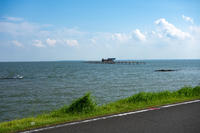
(85, 107)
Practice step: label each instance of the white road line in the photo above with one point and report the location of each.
(176, 104)
(107, 117)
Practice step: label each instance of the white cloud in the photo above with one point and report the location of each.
(169, 30)
(139, 35)
(158, 38)
(195, 29)
(188, 19)
(72, 43)
(51, 42)
(70, 33)
(17, 43)
(13, 18)
(38, 43)
(19, 29)
(154, 34)
(121, 37)
(93, 40)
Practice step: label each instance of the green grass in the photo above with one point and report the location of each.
(85, 107)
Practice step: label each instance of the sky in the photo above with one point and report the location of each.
(54, 30)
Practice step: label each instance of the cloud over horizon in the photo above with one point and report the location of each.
(44, 36)
(139, 35)
(72, 43)
(38, 43)
(121, 37)
(51, 42)
(169, 30)
(17, 43)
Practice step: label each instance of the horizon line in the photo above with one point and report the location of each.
(91, 60)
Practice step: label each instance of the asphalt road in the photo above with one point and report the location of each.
(177, 119)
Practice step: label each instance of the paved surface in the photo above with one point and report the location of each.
(177, 119)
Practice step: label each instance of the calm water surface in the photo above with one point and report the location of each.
(31, 88)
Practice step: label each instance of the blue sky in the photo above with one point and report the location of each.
(44, 30)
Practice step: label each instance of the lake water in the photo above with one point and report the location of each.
(31, 88)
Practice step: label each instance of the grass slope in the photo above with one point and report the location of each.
(85, 107)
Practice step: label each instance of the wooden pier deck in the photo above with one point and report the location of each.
(116, 62)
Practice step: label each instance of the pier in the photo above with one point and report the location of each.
(112, 61)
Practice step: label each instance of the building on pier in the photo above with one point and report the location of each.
(109, 60)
